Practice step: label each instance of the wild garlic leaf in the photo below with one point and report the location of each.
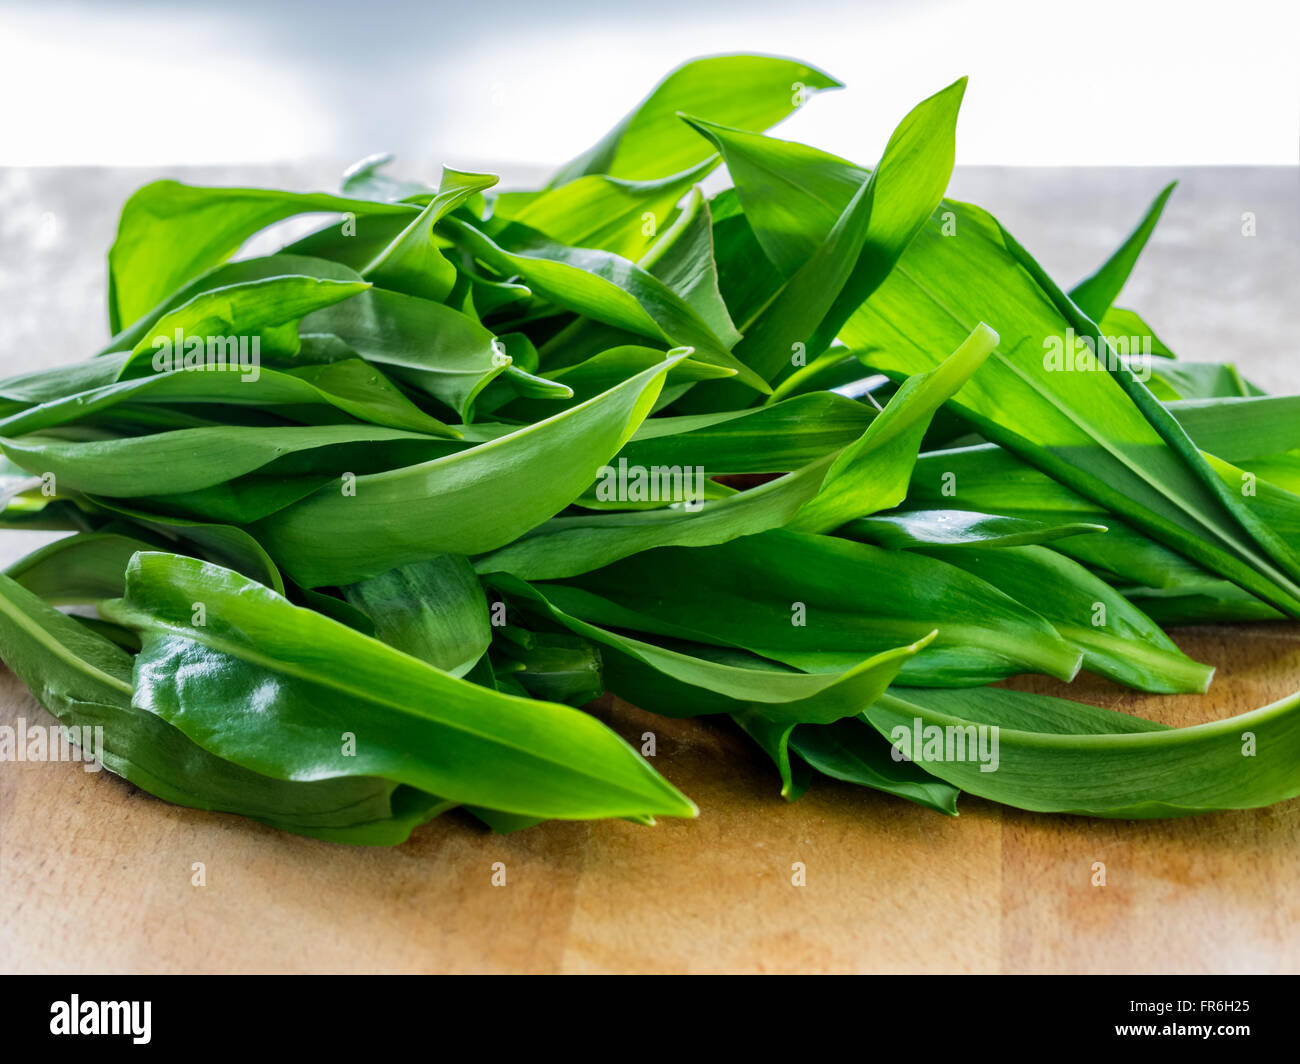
(278, 689)
(425, 344)
(434, 610)
(85, 681)
(1082, 426)
(266, 309)
(187, 459)
(602, 212)
(746, 91)
(775, 693)
(351, 385)
(832, 489)
(767, 439)
(466, 503)
(1242, 762)
(1118, 640)
(820, 602)
(170, 233)
(601, 286)
(1096, 293)
(412, 263)
(919, 529)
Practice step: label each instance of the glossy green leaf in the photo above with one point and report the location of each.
(833, 489)
(1118, 640)
(350, 385)
(1239, 763)
(79, 569)
(169, 233)
(434, 610)
(767, 439)
(604, 287)
(598, 211)
(746, 91)
(847, 751)
(412, 263)
(466, 503)
(1086, 427)
(207, 327)
(831, 269)
(185, 460)
(278, 689)
(775, 693)
(913, 529)
(819, 602)
(428, 345)
(1095, 294)
(85, 681)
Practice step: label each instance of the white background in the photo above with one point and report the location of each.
(147, 82)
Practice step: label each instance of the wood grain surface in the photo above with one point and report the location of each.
(96, 876)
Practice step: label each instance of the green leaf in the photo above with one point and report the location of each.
(434, 610)
(765, 688)
(912, 529)
(831, 490)
(818, 602)
(1242, 762)
(1095, 294)
(217, 317)
(1236, 428)
(682, 257)
(747, 91)
(553, 666)
(85, 681)
(169, 233)
(791, 195)
(412, 263)
(187, 459)
(350, 385)
(1120, 322)
(220, 543)
(1118, 640)
(601, 286)
(230, 275)
(988, 479)
(773, 737)
(278, 688)
(466, 503)
(1171, 381)
(610, 368)
(831, 269)
(1087, 428)
(850, 752)
(872, 473)
(427, 345)
(1203, 602)
(79, 569)
(598, 211)
(363, 178)
(766, 439)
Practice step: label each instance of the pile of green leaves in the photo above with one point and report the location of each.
(378, 578)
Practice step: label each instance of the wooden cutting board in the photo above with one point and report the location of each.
(97, 876)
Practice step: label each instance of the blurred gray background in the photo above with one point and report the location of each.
(1101, 82)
